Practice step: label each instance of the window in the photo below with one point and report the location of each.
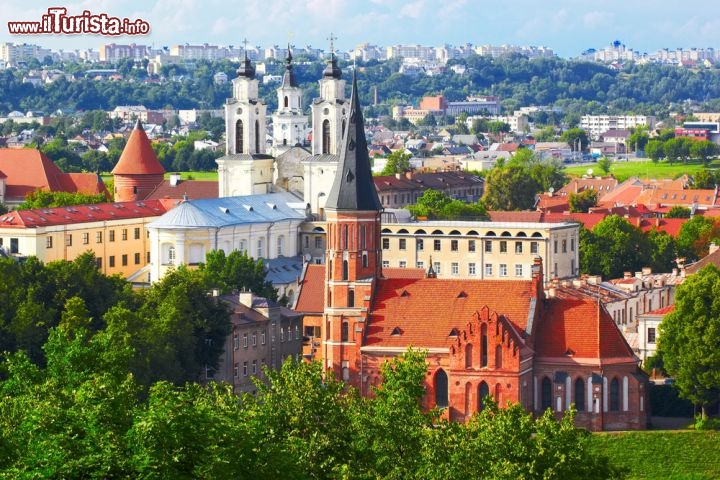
(245, 340)
(254, 339)
(244, 369)
(48, 241)
(262, 338)
(488, 270)
(386, 263)
(351, 298)
(137, 233)
(403, 244)
(454, 269)
(436, 267)
(86, 238)
(147, 259)
(503, 270)
(98, 262)
(403, 264)
(124, 260)
(518, 247)
(111, 261)
(236, 370)
(651, 335)
(282, 335)
(572, 244)
(365, 260)
(546, 394)
(518, 270)
(564, 246)
(483, 391)
(488, 246)
(420, 244)
(436, 245)
(386, 243)
(441, 389)
(124, 233)
(254, 367)
(260, 248)
(345, 332)
(14, 245)
(555, 246)
(137, 259)
(420, 264)
(454, 245)
(614, 395)
(580, 395)
(471, 245)
(503, 246)
(68, 240)
(471, 269)
(318, 242)
(280, 246)
(483, 346)
(533, 247)
(111, 236)
(236, 341)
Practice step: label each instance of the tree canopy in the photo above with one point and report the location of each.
(437, 205)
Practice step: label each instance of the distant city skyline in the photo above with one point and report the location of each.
(568, 27)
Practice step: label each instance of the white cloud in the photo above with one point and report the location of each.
(597, 19)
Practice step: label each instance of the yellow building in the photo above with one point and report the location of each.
(115, 232)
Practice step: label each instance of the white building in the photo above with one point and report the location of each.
(596, 125)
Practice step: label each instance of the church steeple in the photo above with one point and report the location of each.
(289, 76)
(353, 188)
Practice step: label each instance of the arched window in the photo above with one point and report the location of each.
(239, 136)
(260, 248)
(345, 332)
(257, 136)
(171, 255)
(351, 298)
(483, 391)
(546, 394)
(498, 356)
(365, 260)
(281, 245)
(286, 102)
(441, 389)
(483, 346)
(346, 272)
(614, 395)
(580, 395)
(326, 136)
(346, 245)
(468, 355)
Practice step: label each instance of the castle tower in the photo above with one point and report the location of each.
(289, 122)
(245, 169)
(352, 258)
(138, 171)
(330, 110)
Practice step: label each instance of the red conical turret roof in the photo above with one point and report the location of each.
(138, 157)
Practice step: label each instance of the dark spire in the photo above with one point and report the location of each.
(289, 77)
(332, 70)
(246, 69)
(353, 187)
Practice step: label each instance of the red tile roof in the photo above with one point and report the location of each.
(44, 217)
(194, 189)
(501, 216)
(661, 311)
(573, 325)
(711, 258)
(138, 156)
(28, 169)
(425, 311)
(589, 220)
(311, 298)
(406, 273)
(671, 226)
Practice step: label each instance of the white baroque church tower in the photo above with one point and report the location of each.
(245, 169)
(289, 122)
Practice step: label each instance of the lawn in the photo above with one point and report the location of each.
(183, 175)
(643, 169)
(663, 454)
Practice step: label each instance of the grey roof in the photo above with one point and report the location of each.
(283, 270)
(353, 187)
(228, 211)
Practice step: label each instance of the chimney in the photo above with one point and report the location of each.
(246, 298)
(409, 175)
(537, 279)
(398, 175)
(713, 248)
(675, 272)
(174, 179)
(638, 274)
(627, 275)
(647, 271)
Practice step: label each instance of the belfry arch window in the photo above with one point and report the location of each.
(326, 136)
(441, 389)
(483, 391)
(239, 136)
(286, 102)
(257, 136)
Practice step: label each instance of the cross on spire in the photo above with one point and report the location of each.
(332, 45)
(245, 42)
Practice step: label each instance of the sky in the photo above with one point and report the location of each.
(568, 27)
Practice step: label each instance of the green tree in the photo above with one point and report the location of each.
(575, 137)
(604, 164)
(397, 162)
(678, 211)
(582, 202)
(47, 199)
(689, 338)
(662, 251)
(612, 248)
(510, 188)
(237, 272)
(704, 150)
(655, 149)
(693, 241)
(638, 139)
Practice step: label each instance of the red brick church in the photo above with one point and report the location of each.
(502, 338)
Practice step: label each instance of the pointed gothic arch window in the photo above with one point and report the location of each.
(257, 136)
(441, 389)
(326, 136)
(239, 136)
(483, 346)
(351, 298)
(580, 395)
(483, 391)
(346, 270)
(545, 394)
(468, 355)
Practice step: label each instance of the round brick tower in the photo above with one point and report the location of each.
(138, 171)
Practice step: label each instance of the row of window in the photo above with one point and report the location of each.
(124, 260)
(471, 245)
(253, 371)
(472, 268)
(98, 237)
(252, 340)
